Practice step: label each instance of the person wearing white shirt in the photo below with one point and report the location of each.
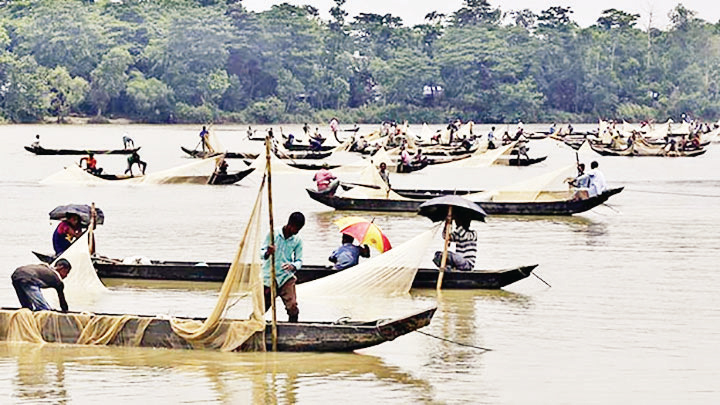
(597, 180)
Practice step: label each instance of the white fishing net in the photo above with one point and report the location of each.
(547, 187)
(370, 176)
(196, 172)
(82, 285)
(389, 274)
(482, 157)
(213, 142)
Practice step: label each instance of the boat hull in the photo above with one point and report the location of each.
(44, 151)
(562, 207)
(292, 337)
(216, 272)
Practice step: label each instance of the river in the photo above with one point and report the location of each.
(633, 313)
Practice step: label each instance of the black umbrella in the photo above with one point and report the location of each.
(81, 210)
(437, 209)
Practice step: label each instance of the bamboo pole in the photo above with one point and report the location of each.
(273, 282)
(443, 262)
(91, 229)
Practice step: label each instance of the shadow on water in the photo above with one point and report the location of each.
(50, 372)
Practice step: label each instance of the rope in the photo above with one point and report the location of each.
(454, 342)
(671, 193)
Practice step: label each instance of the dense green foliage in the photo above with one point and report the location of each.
(212, 60)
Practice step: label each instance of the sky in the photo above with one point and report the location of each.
(585, 13)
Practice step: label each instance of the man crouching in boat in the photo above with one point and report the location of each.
(463, 258)
(288, 249)
(90, 164)
(28, 280)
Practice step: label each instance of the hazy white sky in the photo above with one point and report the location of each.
(585, 13)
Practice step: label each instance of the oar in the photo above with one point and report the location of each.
(361, 185)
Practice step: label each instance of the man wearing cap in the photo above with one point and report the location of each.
(28, 280)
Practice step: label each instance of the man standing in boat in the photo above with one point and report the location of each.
(288, 249)
(384, 174)
(133, 159)
(128, 143)
(463, 258)
(28, 280)
(203, 138)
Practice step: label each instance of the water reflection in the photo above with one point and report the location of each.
(49, 373)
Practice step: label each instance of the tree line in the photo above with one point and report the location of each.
(215, 61)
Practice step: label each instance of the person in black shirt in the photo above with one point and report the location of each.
(28, 280)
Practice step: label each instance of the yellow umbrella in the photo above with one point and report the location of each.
(366, 232)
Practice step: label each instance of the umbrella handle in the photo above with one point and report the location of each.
(443, 261)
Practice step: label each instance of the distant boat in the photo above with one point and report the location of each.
(561, 206)
(39, 150)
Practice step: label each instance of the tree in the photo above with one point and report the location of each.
(23, 89)
(66, 92)
(476, 12)
(152, 99)
(108, 79)
(616, 19)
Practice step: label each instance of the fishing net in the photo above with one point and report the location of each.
(483, 157)
(213, 143)
(389, 274)
(370, 176)
(243, 282)
(242, 292)
(197, 172)
(82, 285)
(547, 187)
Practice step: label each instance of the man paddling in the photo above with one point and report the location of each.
(29, 280)
(288, 249)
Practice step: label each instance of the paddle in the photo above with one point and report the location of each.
(361, 185)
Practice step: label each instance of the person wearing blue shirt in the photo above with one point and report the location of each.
(288, 249)
(203, 138)
(348, 255)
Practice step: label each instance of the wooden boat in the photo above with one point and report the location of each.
(300, 155)
(228, 155)
(645, 150)
(229, 178)
(306, 148)
(215, 179)
(423, 194)
(292, 337)
(39, 150)
(216, 271)
(514, 160)
(311, 166)
(557, 207)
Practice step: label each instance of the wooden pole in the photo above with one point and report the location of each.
(91, 229)
(273, 285)
(443, 262)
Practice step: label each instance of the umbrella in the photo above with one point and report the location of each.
(366, 232)
(437, 208)
(81, 210)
